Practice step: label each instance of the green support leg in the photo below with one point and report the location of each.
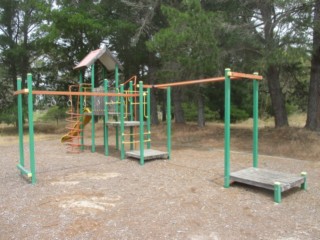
(148, 119)
(304, 184)
(122, 152)
(31, 130)
(20, 124)
(81, 112)
(255, 121)
(169, 122)
(141, 129)
(116, 77)
(93, 144)
(277, 192)
(106, 119)
(131, 115)
(227, 128)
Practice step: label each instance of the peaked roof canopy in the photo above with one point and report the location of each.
(104, 56)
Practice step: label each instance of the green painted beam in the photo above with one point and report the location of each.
(31, 130)
(20, 124)
(227, 106)
(255, 121)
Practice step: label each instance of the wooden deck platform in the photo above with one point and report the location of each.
(266, 178)
(149, 154)
(126, 124)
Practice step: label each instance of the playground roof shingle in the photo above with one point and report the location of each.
(104, 56)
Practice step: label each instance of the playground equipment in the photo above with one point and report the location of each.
(272, 180)
(119, 103)
(76, 129)
(122, 104)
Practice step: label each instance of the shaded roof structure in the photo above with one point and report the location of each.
(104, 56)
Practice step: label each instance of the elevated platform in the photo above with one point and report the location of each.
(126, 124)
(149, 154)
(272, 180)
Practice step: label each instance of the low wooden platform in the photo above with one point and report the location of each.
(149, 154)
(266, 178)
(126, 124)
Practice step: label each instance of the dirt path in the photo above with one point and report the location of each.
(90, 196)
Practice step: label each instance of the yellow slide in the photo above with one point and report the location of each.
(76, 128)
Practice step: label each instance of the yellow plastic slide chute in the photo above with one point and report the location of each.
(76, 128)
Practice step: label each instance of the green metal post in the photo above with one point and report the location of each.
(116, 78)
(81, 112)
(169, 122)
(105, 120)
(93, 145)
(31, 130)
(255, 121)
(148, 118)
(304, 184)
(277, 192)
(122, 152)
(141, 130)
(20, 124)
(227, 103)
(131, 114)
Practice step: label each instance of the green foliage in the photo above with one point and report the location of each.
(191, 113)
(9, 116)
(161, 41)
(55, 113)
(188, 47)
(237, 114)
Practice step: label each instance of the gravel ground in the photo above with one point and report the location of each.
(90, 196)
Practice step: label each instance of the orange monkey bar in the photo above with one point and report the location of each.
(233, 75)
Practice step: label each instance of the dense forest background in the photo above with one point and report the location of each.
(167, 41)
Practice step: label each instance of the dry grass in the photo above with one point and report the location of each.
(293, 142)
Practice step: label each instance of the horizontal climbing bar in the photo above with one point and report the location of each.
(135, 134)
(137, 103)
(182, 83)
(245, 75)
(24, 171)
(111, 103)
(65, 93)
(148, 140)
(233, 75)
(23, 91)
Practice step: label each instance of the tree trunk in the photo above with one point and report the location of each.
(154, 108)
(178, 111)
(163, 110)
(153, 99)
(268, 9)
(277, 98)
(201, 116)
(313, 114)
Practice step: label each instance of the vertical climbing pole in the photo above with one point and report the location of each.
(31, 130)
(93, 144)
(131, 114)
(148, 119)
(141, 130)
(227, 104)
(169, 122)
(105, 120)
(81, 111)
(116, 78)
(255, 121)
(122, 102)
(20, 124)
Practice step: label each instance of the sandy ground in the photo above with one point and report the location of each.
(91, 196)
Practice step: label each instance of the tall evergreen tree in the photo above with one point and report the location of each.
(313, 115)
